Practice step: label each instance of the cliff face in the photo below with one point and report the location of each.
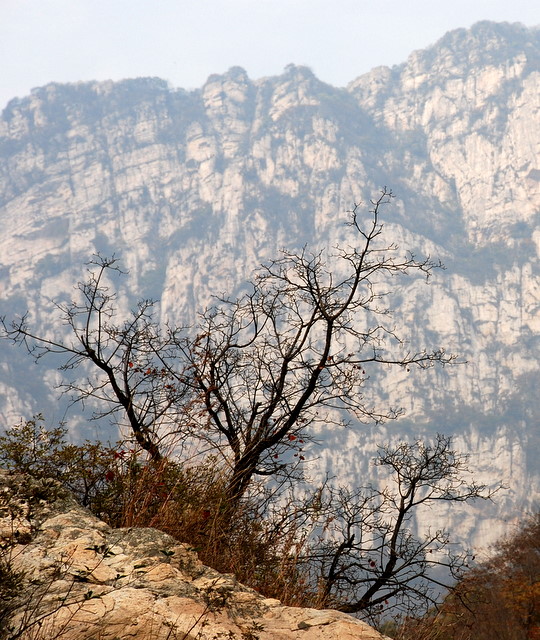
(193, 190)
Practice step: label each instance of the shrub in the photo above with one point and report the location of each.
(125, 489)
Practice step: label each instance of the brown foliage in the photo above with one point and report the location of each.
(501, 598)
(498, 599)
(189, 501)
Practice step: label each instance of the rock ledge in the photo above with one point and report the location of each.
(82, 580)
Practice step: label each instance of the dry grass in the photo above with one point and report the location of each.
(182, 498)
(190, 503)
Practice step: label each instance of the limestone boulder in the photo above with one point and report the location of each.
(79, 579)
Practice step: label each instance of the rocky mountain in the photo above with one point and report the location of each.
(192, 190)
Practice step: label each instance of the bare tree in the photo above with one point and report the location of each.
(259, 372)
(126, 376)
(367, 558)
(293, 351)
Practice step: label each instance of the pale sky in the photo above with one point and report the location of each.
(184, 41)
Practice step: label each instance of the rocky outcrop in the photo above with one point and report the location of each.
(78, 579)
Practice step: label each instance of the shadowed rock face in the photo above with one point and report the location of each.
(81, 580)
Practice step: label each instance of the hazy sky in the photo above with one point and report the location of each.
(184, 41)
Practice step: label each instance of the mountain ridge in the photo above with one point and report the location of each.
(194, 189)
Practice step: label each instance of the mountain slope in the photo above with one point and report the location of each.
(193, 189)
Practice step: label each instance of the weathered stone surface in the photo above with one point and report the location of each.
(83, 580)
